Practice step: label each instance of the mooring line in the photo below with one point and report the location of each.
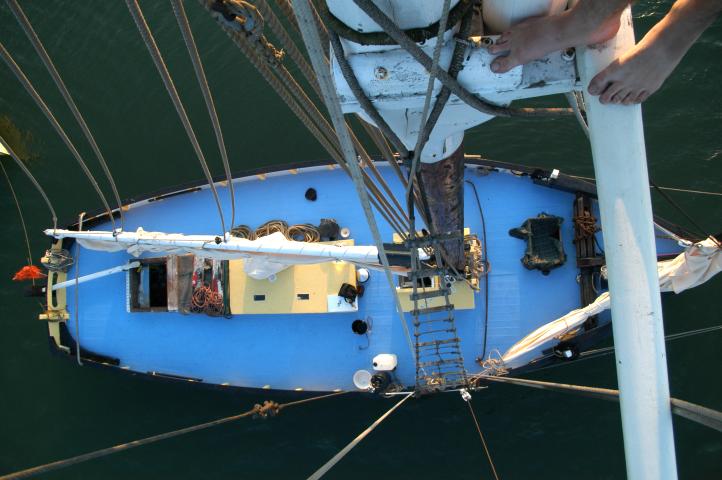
(268, 408)
(336, 458)
(466, 396)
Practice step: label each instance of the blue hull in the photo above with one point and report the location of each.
(319, 352)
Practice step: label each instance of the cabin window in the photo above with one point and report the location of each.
(149, 286)
(423, 282)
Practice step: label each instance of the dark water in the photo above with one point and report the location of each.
(50, 409)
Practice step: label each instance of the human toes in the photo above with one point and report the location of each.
(610, 95)
(641, 96)
(598, 84)
(501, 44)
(624, 97)
(502, 64)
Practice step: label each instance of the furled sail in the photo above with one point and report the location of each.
(264, 256)
(697, 264)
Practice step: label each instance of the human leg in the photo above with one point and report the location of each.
(640, 72)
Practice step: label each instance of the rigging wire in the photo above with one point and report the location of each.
(180, 15)
(32, 180)
(485, 260)
(20, 213)
(336, 458)
(54, 122)
(691, 411)
(311, 38)
(75, 292)
(575, 101)
(466, 396)
(378, 16)
(671, 189)
(60, 84)
(665, 196)
(420, 140)
(601, 352)
(160, 65)
(684, 213)
(268, 408)
(267, 60)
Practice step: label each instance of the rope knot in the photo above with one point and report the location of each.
(269, 408)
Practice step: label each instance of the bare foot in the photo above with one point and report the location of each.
(637, 74)
(536, 37)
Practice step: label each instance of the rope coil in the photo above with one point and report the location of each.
(207, 301)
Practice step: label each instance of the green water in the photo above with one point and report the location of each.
(51, 409)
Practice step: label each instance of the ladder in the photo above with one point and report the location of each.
(439, 363)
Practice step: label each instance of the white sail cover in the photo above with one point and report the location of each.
(697, 264)
(264, 257)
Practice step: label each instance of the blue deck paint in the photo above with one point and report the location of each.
(319, 351)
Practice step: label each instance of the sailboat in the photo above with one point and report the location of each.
(295, 298)
(313, 290)
(289, 328)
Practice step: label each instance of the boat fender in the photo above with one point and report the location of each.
(362, 275)
(348, 292)
(385, 362)
(566, 351)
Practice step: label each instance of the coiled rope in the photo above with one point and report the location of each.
(272, 226)
(304, 233)
(207, 301)
(243, 231)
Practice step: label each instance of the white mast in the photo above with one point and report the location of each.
(620, 164)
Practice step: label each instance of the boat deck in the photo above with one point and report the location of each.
(320, 351)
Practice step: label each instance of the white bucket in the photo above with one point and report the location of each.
(362, 379)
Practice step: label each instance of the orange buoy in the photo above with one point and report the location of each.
(29, 272)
